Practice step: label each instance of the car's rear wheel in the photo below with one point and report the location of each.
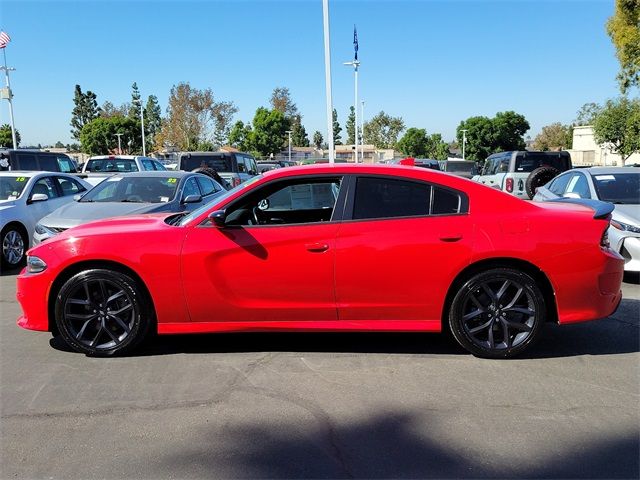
(14, 246)
(102, 312)
(497, 313)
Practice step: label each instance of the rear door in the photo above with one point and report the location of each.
(398, 249)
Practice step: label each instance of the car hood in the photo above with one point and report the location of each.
(77, 213)
(629, 214)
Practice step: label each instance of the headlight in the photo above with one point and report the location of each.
(42, 230)
(35, 264)
(625, 227)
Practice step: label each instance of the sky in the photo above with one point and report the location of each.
(433, 63)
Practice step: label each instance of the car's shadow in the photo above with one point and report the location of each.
(617, 334)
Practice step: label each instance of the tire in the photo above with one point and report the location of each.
(211, 172)
(102, 313)
(15, 244)
(539, 177)
(497, 313)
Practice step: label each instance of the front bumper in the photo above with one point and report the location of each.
(32, 292)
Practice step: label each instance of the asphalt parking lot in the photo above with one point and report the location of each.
(323, 405)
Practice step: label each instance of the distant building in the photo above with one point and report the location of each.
(587, 152)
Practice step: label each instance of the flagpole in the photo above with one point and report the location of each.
(9, 96)
(144, 146)
(327, 78)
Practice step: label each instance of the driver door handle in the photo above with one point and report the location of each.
(317, 247)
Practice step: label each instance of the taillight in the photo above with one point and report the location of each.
(509, 185)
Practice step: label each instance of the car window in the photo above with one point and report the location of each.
(287, 202)
(445, 201)
(48, 162)
(11, 187)
(220, 163)
(46, 186)
(190, 188)
(503, 165)
(148, 165)
(242, 167)
(69, 186)
(65, 164)
(158, 166)
(528, 162)
(26, 161)
(133, 189)
(208, 186)
(559, 184)
(111, 165)
(578, 185)
(621, 188)
(386, 198)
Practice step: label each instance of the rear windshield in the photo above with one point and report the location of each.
(111, 165)
(133, 189)
(218, 162)
(12, 187)
(530, 161)
(618, 187)
(465, 167)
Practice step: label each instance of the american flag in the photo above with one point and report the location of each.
(355, 42)
(4, 39)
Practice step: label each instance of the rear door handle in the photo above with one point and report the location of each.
(317, 247)
(454, 237)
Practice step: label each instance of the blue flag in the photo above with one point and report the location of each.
(355, 42)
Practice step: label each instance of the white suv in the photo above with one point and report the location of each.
(520, 173)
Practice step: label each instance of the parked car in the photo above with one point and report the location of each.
(462, 168)
(36, 160)
(330, 247)
(26, 197)
(233, 167)
(266, 166)
(520, 173)
(419, 162)
(131, 193)
(618, 185)
(121, 164)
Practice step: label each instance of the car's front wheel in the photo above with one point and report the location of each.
(14, 246)
(497, 313)
(102, 312)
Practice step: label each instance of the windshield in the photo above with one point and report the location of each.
(12, 187)
(134, 189)
(618, 187)
(466, 167)
(111, 165)
(530, 161)
(220, 163)
(196, 213)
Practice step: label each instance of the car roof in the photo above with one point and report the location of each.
(608, 170)
(361, 169)
(33, 173)
(155, 173)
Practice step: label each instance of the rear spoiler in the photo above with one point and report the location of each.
(601, 210)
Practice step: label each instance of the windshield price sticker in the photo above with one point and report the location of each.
(164, 199)
(605, 177)
(172, 180)
(21, 179)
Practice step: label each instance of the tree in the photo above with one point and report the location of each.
(414, 143)
(317, 139)
(108, 109)
(152, 122)
(383, 130)
(240, 135)
(624, 29)
(59, 144)
(281, 101)
(486, 135)
(437, 148)
(618, 125)
(337, 139)
(192, 115)
(350, 125)
(98, 137)
(84, 111)
(6, 140)
(587, 114)
(269, 128)
(554, 137)
(223, 113)
(136, 102)
(299, 136)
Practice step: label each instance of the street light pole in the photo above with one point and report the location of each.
(144, 146)
(119, 144)
(464, 142)
(327, 78)
(9, 96)
(289, 132)
(362, 131)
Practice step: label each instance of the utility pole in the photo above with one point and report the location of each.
(144, 146)
(289, 132)
(464, 141)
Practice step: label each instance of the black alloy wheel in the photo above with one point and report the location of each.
(497, 313)
(102, 312)
(14, 247)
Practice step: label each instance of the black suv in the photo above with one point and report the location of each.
(36, 160)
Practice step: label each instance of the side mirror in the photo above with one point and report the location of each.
(192, 199)
(218, 218)
(38, 197)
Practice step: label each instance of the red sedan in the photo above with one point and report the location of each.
(329, 248)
